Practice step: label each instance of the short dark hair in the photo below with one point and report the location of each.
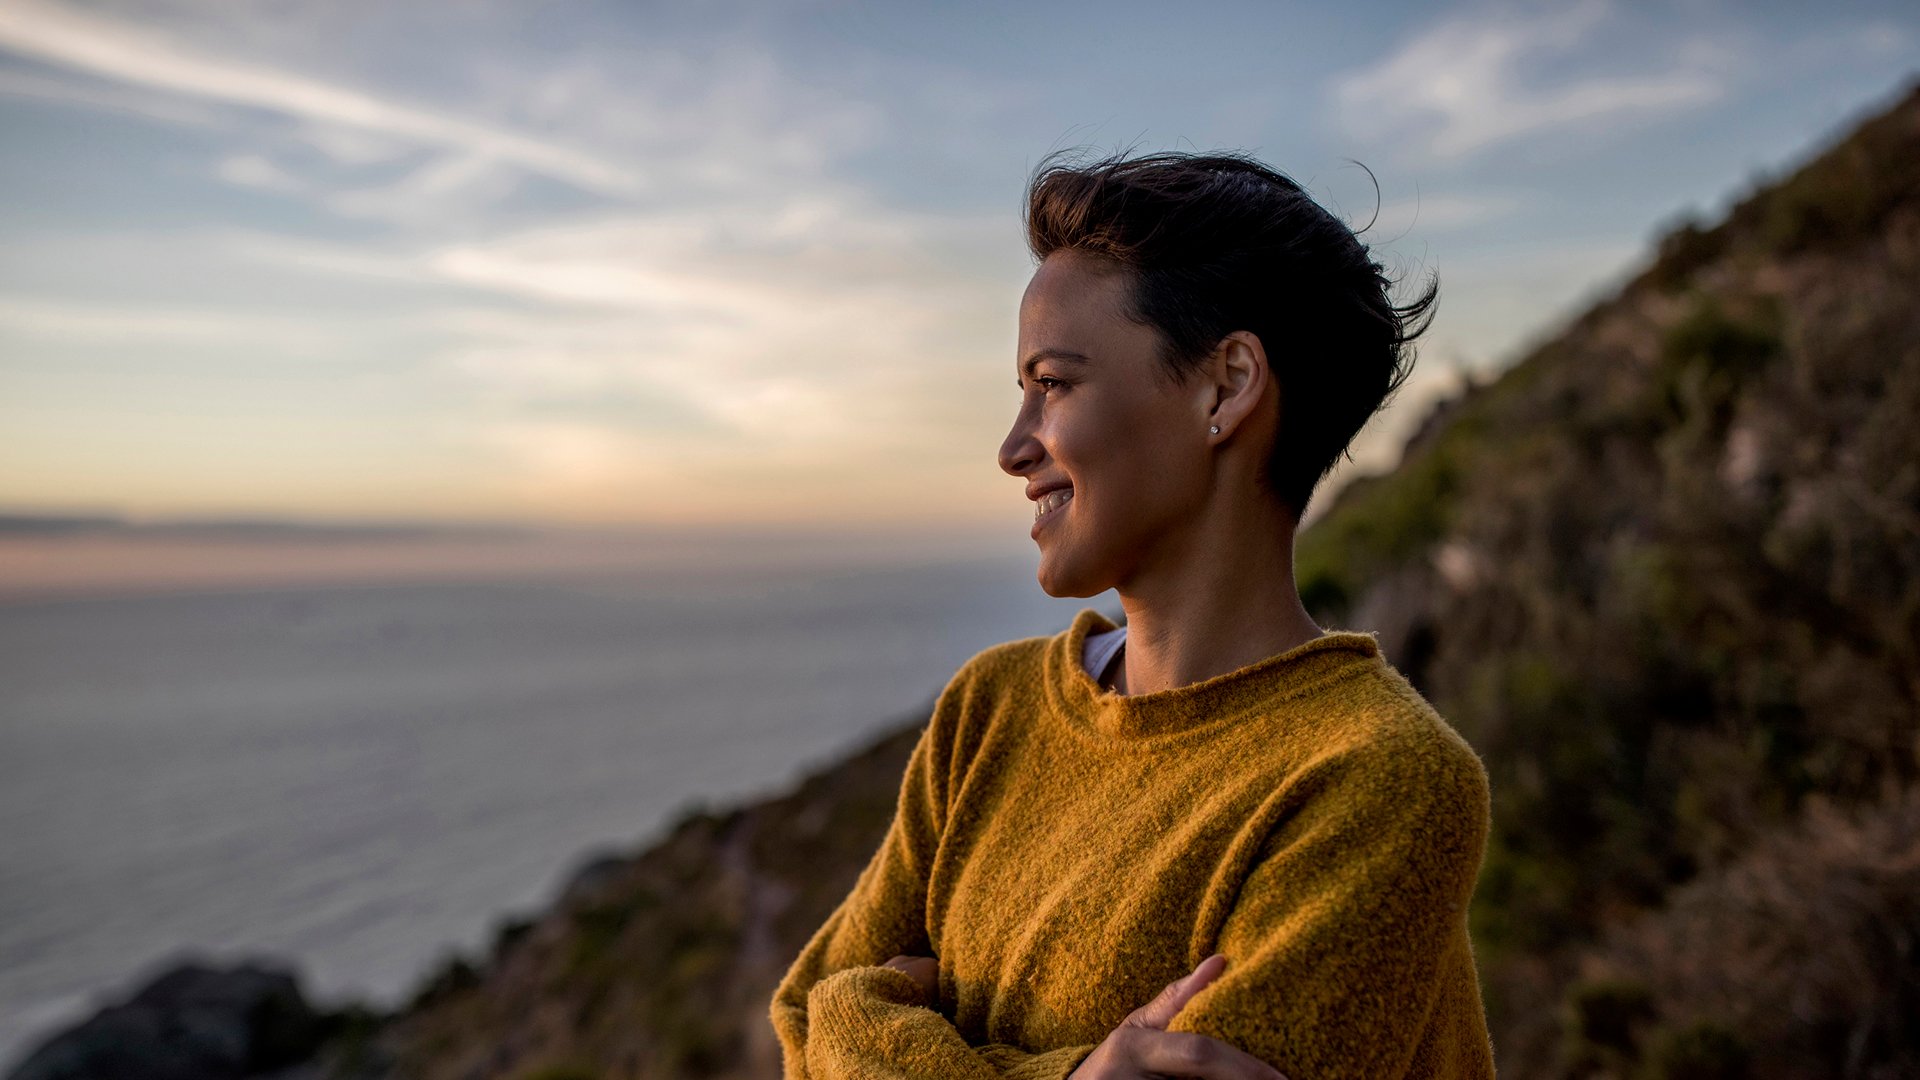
(1218, 242)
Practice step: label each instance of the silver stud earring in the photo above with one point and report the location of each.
(1215, 429)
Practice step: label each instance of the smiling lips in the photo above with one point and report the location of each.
(1051, 501)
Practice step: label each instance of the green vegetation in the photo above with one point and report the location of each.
(1693, 614)
(1383, 521)
(1700, 1051)
(1707, 359)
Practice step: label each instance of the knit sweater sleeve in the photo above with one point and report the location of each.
(1349, 927)
(839, 1014)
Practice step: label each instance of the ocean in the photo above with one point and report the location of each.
(359, 779)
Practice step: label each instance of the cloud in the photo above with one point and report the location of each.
(684, 122)
(112, 49)
(573, 455)
(1473, 82)
(75, 322)
(1441, 213)
(744, 335)
(70, 88)
(447, 186)
(765, 316)
(255, 171)
(322, 257)
(750, 359)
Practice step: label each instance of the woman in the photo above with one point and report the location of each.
(1237, 796)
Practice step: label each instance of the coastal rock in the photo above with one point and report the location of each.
(195, 1021)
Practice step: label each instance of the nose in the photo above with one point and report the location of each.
(1020, 452)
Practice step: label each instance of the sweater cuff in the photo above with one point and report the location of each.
(890, 985)
(1015, 1064)
(856, 996)
(859, 998)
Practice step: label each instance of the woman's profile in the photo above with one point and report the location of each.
(1216, 841)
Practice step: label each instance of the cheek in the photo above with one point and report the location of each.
(1134, 484)
(1115, 430)
(1128, 456)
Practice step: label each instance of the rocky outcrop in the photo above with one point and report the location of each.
(196, 1021)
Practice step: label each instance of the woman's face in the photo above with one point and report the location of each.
(1098, 419)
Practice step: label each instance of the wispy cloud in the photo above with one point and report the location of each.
(749, 359)
(252, 170)
(448, 186)
(78, 88)
(1442, 212)
(1475, 81)
(81, 322)
(699, 265)
(142, 56)
(762, 318)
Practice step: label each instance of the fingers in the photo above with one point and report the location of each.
(1159, 1012)
(1179, 1053)
(925, 971)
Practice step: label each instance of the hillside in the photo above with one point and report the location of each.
(1663, 573)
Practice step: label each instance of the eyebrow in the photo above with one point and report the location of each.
(1073, 359)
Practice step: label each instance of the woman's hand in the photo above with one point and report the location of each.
(1142, 1048)
(925, 971)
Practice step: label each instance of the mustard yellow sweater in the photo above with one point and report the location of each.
(1066, 851)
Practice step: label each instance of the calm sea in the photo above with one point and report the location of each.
(360, 779)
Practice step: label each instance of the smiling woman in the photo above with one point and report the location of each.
(1247, 851)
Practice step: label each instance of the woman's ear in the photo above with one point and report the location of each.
(1238, 380)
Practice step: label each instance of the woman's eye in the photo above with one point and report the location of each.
(1044, 382)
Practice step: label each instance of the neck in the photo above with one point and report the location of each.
(1212, 602)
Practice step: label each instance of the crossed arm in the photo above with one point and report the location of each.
(841, 1014)
(1335, 944)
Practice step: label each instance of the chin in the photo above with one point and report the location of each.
(1059, 578)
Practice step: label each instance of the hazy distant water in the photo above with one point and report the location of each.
(361, 778)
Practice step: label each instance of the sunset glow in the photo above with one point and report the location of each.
(593, 265)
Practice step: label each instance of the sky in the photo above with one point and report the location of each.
(758, 264)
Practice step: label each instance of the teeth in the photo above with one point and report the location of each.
(1051, 501)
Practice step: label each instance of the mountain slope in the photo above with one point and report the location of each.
(1664, 574)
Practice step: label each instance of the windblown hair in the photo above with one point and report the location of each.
(1218, 242)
